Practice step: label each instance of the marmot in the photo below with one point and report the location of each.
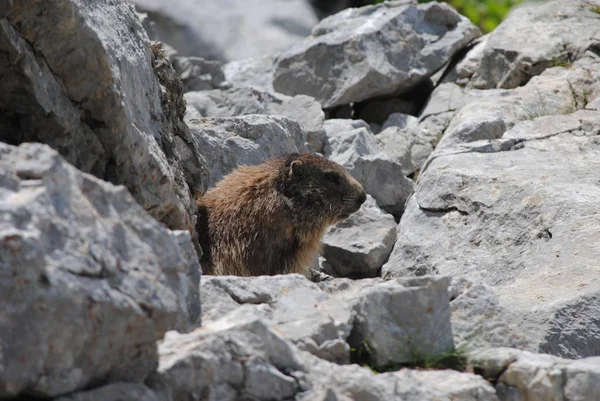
(269, 219)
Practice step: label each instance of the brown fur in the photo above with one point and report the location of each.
(269, 219)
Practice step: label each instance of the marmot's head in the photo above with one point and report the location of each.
(321, 188)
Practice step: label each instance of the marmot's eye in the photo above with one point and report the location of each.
(333, 177)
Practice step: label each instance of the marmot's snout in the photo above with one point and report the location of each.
(362, 197)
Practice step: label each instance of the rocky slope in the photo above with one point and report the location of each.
(476, 249)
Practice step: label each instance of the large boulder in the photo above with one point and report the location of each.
(82, 77)
(558, 32)
(88, 280)
(502, 201)
(383, 49)
(230, 142)
(231, 30)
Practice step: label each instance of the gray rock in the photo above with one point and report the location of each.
(237, 357)
(479, 321)
(513, 209)
(232, 30)
(390, 335)
(255, 72)
(559, 32)
(399, 120)
(326, 321)
(358, 246)
(335, 382)
(464, 69)
(198, 74)
(114, 392)
(230, 142)
(351, 144)
(354, 55)
(246, 100)
(522, 376)
(241, 356)
(488, 114)
(300, 311)
(88, 280)
(409, 147)
(90, 90)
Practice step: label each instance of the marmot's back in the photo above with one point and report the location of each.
(269, 219)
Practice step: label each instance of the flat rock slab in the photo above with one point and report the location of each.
(228, 143)
(383, 49)
(327, 320)
(88, 280)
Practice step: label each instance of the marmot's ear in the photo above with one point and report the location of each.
(296, 168)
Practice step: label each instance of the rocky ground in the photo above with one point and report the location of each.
(471, 272)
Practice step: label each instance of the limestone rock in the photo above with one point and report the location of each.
(479, 321)
(114, 392)
(409, 146)
(558, 32)
(89, 89)
(383, 49)
(255, 72)
(230, 142)
(300, 310)
(508, 212)
(358, 246)
(237, 357)
(522, 376)
(399, 120)
(232, 30)
(390, 335)
(198, 74)
(246, 100)
(351, 144)
(241, 356)
(88, 280)
(327, 320)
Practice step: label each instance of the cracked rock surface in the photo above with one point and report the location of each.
(83, 78)
(507, 199)
(88, 280)
(242, 356)
(371, 51)
(229, 142)
(328, 319)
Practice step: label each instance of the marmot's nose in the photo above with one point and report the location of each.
(362, 197)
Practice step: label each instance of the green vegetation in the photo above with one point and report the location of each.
(486, 14)
(456, 359)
